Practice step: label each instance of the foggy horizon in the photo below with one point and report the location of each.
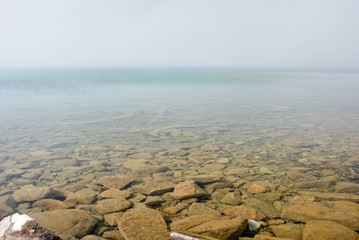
(256, 35)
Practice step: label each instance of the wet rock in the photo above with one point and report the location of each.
(203, 179)
(232, 198)
(265, 170)
(83, 196)
(152, 169)
(111, 218)
(5, 210)
(301, 199)
(218, 185)
(257, 188)
(117, 182)
(23, 227)
(322, 183)
(115, 235)
(299, 143)
(209, 147)
(347, 187)
(237, 171)
(66, 222)
(148, 221)
(264, 207)
(153, 200)
(33, 194)
(343, 212)
(317, 230)
(330, 196)
(242, 211)
(201, 209)
(289, 230)
(222, 227)
(175, 209)
(147, 156)
(154, 188)
(188, 189)
(50, 204)
(115, 193)
(112, 205)
(214, 167)
(135, 164)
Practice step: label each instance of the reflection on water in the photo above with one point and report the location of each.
(296, 131)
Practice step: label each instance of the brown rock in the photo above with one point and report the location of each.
(154, 188)
(299, 143)
(147, 156)
(83, 196)
(325, 183)
(289, 230)
(153, 200)
(115, 193)
(111, 218)
(175, 209)
(188, 189)
(135, 164)
(257, 188)
(263, 206)
(232, 198)
(201, 209)
(151, 169)
(328, 230)
(115, 235)
(112, 205)
(76, 223)
(92, 237)
(142, 223)
(202, 179)
(118, 182)
(237, 171)
(209, 147)
(243, 212)
(331, 196)
(217, 227)
(347, 187)
(214, 167)
(33, 194)
(50, 204)
(343, 212)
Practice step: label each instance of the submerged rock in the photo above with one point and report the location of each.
(112, 205)
(343, 212)
(188, 189)
(317, 230)
(154, 188)
(66, 222)
(118, 182)
(33, 194)
(142, 223)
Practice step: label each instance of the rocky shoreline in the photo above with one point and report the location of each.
(206, 192)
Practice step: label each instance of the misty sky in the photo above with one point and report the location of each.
(199, 33)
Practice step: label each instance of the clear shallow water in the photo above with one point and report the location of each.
(65, 112)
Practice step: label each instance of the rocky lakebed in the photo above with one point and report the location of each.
(206, 190)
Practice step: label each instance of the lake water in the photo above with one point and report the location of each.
(58, 126)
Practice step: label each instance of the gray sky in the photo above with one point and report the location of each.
(223, 33)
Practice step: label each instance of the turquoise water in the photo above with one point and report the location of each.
(62, 111)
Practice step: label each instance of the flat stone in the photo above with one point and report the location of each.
(175, 209)
(214, 167)
(331, 196)
(201, 209)
(222, 227)
(203, 179)
(147, 156)
(135, 164)
(117, 182)
(83, 196)
(188, 189)
(237, 171)
(154, 188)
(115, 235)
(210, 147)
(49, 204)
(289, 230)
(347, 187)
(323, 230)
(232, 198)
(92, 237)
(73, 222)
(112, 205)
(111, 218)
(265, 170)
(115, 193)
(149, 169)
(153, 200)
(324, 183)
(264, 207)
(257, 188)
(299, 143)
(142, 223)
(242, 211)
(33, 194)
(343, 212)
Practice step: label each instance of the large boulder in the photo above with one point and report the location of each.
(143, 223)
(343, 212)
(66, 222)
(326, 230)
